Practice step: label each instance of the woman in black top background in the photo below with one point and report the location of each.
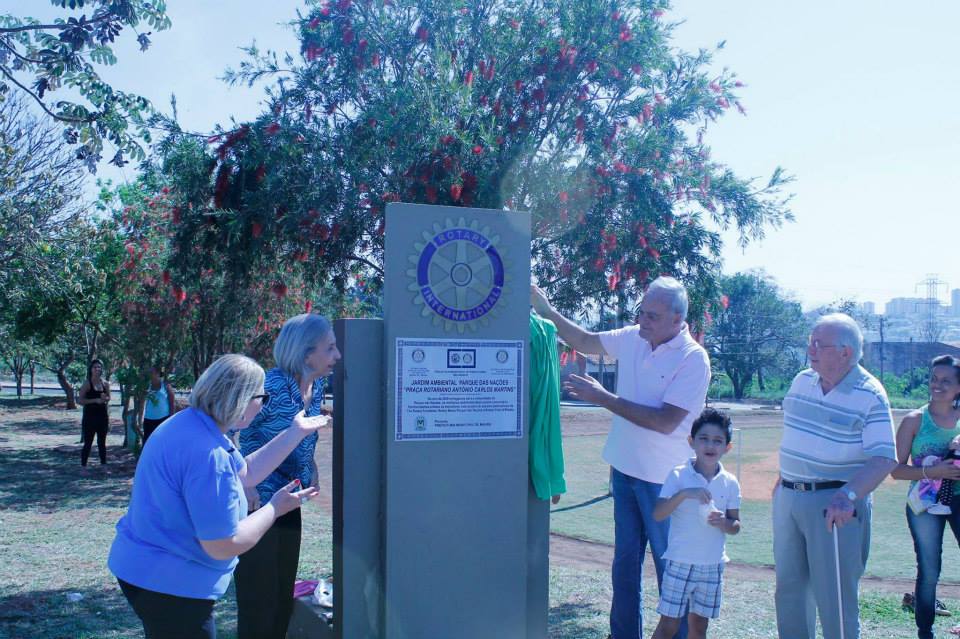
(94, 397)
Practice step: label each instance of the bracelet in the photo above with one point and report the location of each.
(923, 471)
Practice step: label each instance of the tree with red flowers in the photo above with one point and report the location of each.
(579, 112)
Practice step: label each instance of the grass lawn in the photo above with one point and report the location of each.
(891, 552)
(56, 526)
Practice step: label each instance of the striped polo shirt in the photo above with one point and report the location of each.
(829, 437)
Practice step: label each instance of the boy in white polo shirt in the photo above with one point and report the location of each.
(703, 502)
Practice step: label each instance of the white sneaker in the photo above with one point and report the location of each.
(939, 509)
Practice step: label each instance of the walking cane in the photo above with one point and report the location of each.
(836, 560)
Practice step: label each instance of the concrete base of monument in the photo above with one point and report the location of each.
(310, 621)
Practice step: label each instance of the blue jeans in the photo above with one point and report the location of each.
(927, 532)
(633, 503)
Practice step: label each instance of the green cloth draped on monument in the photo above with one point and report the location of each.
(546, 446)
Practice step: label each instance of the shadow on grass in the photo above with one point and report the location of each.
(33, 402)
(49, 614)
(569, 620)
(62, 428)
(52, 479)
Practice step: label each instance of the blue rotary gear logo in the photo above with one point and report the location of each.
(459, 275)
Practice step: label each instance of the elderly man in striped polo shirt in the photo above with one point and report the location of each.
(838, 445)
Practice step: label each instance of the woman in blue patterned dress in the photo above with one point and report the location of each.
(305, 353)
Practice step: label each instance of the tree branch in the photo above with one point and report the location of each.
(43, 106)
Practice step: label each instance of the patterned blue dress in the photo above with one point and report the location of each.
(285, 402)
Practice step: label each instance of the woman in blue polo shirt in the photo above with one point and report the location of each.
(305, 352)
(187, 522)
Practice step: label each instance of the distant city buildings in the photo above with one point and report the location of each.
(916, 319)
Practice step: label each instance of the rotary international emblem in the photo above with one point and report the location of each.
(458, 275)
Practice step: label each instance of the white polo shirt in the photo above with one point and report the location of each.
(676, 373)
(691, 539)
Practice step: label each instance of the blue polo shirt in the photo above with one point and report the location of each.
(186, 488)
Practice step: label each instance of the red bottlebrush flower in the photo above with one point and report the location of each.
(580, 123)
(447, 162)
(723, 103)
(738, 84)
(518, 85)
(422, 34)
(637, 69)
(372, 122)
(724, 302)
(497, 107)
(279, 289)
(256, 229)
(175, 215)
(591, 66)
(612, 281)
(625, 35)
(539, 94)
(488, 75)
(565, 269)
(620, 166)
(658, 98)
(179, 295)
(375, 60)
(325, 11)
(260, 173)
(563, 196)
(573, 356)
(347, 35)
(484, 100)
(500, 140)
(464, 11)
(468, 78)
(564, 356)
(598, 264)
(308, 306)
(654, 253)
(313, 24)
(580, 137)
(477, 149)
(615, 16)
(431, 192)
(362, 45)
(715, 87)
(647, 112)
(456, 190)
(514, 24)
(165, 276)
(483, 67)
(658, 13)
(272, 128)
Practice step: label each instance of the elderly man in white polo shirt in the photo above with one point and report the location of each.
(662, 381)
(838, 445)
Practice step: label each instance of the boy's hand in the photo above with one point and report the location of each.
(699, 494)
(717, 519)
(955, 443)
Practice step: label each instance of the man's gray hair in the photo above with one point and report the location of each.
(226, 387)
(674, 290)
(298, 337)
(848, 332)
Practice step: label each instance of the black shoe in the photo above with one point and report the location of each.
(941, 610)
(908, 602)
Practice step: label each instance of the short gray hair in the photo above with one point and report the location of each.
(297, 338)
(848, 332)
(226, 387)
(673, 289)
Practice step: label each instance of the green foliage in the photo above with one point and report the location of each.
(758, 330)
(37, 59)
(581, 113)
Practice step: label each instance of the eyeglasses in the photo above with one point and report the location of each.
(817, 346)
(264, 398)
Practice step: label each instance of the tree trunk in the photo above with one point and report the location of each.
(67, 388)
(760, 379)
(33, 370)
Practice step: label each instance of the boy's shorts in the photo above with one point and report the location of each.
(692, 588)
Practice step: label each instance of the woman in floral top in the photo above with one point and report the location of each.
(305, 353)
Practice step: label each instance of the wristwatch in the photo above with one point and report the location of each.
(851, 495)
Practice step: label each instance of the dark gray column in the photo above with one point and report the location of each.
(358, 479)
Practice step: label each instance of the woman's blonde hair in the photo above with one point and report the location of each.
(226, 387)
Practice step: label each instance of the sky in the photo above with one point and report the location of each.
(857, 100)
